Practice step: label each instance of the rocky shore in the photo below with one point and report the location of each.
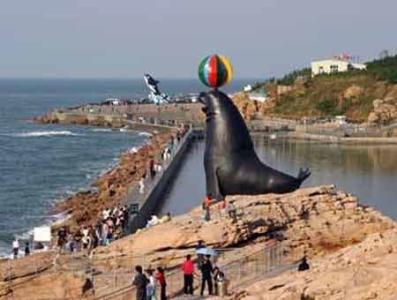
(111, 188)
(343, 240)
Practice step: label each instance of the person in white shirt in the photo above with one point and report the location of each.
(15, 248)
(142, 185)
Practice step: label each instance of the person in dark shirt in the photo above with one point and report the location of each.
(303, 266)
(206, 271)
(62, 233)
(200, 257)
(27, 249)
(140, 282)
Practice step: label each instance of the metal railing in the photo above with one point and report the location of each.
(239, 271)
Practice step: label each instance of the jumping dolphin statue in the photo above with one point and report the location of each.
(152, 84)
(231, 165)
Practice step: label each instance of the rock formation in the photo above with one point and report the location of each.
(317, 221)
(366, 270)
(383, 113)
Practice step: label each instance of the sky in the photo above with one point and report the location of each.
(126, 38)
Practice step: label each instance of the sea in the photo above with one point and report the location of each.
(41, 164)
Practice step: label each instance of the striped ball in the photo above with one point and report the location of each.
(215, 71)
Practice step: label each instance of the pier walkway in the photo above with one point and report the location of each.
(142, 204)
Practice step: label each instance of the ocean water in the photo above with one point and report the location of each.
(40, 164)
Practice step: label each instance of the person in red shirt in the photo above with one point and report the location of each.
(188, 270)
(161, 280)
(207, 201)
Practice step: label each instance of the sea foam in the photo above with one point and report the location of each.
(45, 133)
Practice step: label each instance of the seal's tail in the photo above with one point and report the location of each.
(303, 174)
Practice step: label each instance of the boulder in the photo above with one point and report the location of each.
(353, 93)
(383, 112)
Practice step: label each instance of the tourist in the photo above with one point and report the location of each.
(163, 285)
(70, 243)
(126, 217)
(15, 248)
(206, 270)
(178, 136)
(219, 278)
(206, 206)
(231, 211)
(105, 213)
(87, 288)
(164, 155)
(169, 150)
(140, 281)
(151, 286)
(105, 229)
(86, 241)
(200, 257)
(207, 214)
(188, 270)
(77, 241)
(152, 170)
(153, 221)
(142, 184)
(221, 206)
(158, 168)
(303, 266)
(27, 249)
(62, 234)
(94, 240)
(207, 201)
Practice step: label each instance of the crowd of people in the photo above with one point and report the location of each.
(149, 285)
(146, 285)
(110, 226)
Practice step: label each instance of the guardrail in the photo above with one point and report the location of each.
(240, 271)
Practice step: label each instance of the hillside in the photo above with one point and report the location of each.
(362, 96)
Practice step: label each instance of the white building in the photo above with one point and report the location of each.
(259, 94)
(329, 66)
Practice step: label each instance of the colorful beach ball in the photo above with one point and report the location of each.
(215, 71)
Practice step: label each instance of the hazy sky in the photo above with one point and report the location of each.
(125, 38)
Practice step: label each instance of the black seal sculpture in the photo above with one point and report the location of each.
(230, 162)
(231, 165)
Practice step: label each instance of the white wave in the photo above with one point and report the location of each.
(102, 129)
(143, 133)
(45, 133)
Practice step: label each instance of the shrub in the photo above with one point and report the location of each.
(327, 107)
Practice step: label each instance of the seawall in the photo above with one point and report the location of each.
(148, 202)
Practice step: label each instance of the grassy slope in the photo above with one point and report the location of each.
(325, 95)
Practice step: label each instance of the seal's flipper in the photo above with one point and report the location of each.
(303, 174)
